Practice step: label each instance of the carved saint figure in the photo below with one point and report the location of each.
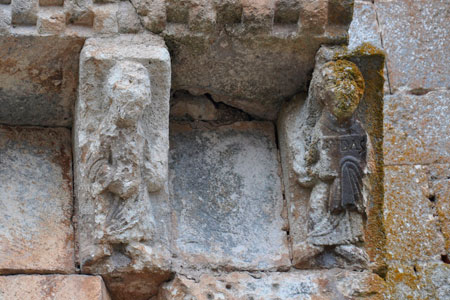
(335, 162)
(123, 169)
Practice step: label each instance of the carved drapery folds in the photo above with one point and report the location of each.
(329, 161)
(121, 159)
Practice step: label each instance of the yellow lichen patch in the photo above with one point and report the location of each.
(344, 84)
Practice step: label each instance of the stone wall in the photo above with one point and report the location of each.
(166, 149)
(414, 35)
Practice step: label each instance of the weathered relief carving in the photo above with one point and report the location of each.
(327, 160)
(121, 162)
(334, 160)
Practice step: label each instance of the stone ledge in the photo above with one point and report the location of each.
(60, 287)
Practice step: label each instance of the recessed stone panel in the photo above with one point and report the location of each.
(226, 196)
(36, 233)
(38, 79)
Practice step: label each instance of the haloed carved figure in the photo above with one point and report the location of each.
(335, 163)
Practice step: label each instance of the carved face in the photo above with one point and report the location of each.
(128, 89)
(343, 88)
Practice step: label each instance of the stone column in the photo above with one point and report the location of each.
(121, 160)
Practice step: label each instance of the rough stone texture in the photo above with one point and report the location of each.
(416, 38)
(58, 287)
(121, 158)
(35, 200)
(127, 18)
(421, 281)
(295, 127)
(364, 26)
(320, 285)
(226, 197)
(51, 21)
(439, 178)
(38, 87)
(417, 128)
(411, 220)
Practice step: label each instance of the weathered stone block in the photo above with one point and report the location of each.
(364, 26)
(38, 87)
(5, 18)
(24, 12)
(127, 18)
(51, 21)
(44, 287)
(121, 158)
(35, 200)
(410, 218)
(227, 198)
(415, 38)
(105, 20)
(439, 178)
(416, 128)
(421, 281)
(323, 285)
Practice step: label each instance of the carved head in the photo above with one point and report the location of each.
(128, 90)
(342, 87)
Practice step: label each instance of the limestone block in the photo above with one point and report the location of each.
(127, 18)
(60, 287)
(324, 285)
(421, 281)
(51, 2)
(105, 20)
(152, 14)
(121, 156)
(412, 31)
(313, 16)
(416, 128)
(35, 201)
(38, 87)
(258, 15)
(51, 21)
(227, 198)
(24, 12)
(410, 218)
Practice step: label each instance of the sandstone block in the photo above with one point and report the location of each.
(60, 287)
(416, 128)
(324, 285)
(121, 158)
(227, 198)
(410, 218)
(35, 200)
(38, 87)
(412, 31)
(421, 281)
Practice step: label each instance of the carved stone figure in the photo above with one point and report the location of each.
(334, 162)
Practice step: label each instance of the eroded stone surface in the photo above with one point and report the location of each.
(308, 167)
(121, 158)
(323, 285)
(416, 128)
(226, 197)
(38, 79)
(415, 37)
(411, 221)
(364, 26)
(36, 233)
(44, 287)
(421, 281)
